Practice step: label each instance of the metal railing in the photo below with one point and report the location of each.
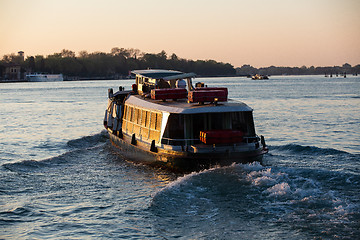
(183, 142)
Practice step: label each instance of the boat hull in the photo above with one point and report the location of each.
(181, 161)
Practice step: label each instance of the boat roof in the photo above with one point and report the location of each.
(163, 74)
(181, 106)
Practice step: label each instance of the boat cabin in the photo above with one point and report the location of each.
(177, 114)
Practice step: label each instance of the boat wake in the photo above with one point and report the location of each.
(89, 141)
(294, 148)
(72, 151)
(311, 157)
(276, 195)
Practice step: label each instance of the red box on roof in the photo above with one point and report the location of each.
(212, 88)
(207, 96)
(168, 93)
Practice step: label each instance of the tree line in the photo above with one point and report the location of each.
(120, 61)
(248, 70)
(115, 64)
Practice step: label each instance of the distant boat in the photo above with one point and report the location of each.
(259, 77)
(43, 77)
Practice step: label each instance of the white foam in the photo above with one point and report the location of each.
(255, 166)
(182, 180)
(264, 177)
(279, 189)
(264, 180)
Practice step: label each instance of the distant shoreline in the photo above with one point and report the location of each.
(76, 79)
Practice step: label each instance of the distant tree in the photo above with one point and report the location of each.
(31, 63)
(118, 62)
(246, 69)
(67, 53)
(174, 57)
(135, 53)
(11, 58)
(83, 54)
(162, 55)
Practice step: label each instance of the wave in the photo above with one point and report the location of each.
(275, 194)
(89, 141)
(295, 148)
(74, 149)
(183, 180)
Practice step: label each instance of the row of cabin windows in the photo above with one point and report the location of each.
(182, 127)
(143, 123)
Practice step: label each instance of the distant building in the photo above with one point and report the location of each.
(12, 70)
(21, 56)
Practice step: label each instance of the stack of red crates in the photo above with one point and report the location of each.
(168, 93)
(226, 136)
(207, 95)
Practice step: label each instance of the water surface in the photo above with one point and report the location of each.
(60, 177)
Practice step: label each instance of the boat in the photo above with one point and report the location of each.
(167, 122)
(259, 77)
(44, 77)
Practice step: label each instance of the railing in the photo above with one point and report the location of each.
(251, 139)
(182, 142)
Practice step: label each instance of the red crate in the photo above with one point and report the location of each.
(207, 96)
(168, 93)
(226, 136)
(212, 88)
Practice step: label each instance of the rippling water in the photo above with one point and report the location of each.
(60, 178)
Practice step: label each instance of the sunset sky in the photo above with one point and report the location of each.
(256, 32)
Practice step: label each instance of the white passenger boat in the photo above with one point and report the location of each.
(166, 121)
(43, 77)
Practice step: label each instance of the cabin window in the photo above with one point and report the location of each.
(155, 125)
(131, 114)
(145, 118)
(131, 119)
(125, 112)
(244, 122)
(199, 124)
(137, 116)
(153, 120)
(158, 121)
(175, 127)
(218, 121)
(145, 124)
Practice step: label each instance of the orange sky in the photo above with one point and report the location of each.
(256, 32)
